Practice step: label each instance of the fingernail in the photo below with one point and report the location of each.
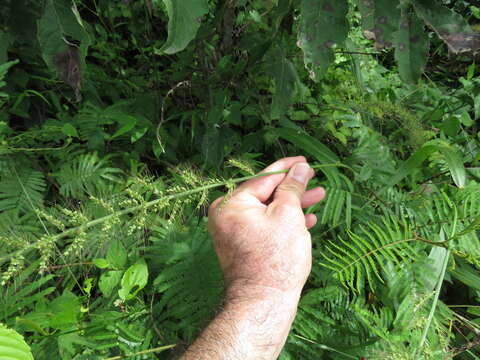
(301, 173)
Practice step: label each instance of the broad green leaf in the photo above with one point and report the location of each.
(380, 20)
(437, 257)
(64, 310)
(465, 119)
(282, 10)
(59, 31)
(451, 155)
(367, 10)
(451, 126)
(471, 71)
(117, 254)
(101, 263)
(22, 21)
(286, 80)
(323, 23)
(411, 48)
(69, 130)
(13, 346)
(213, 145)
(185, 17)
(108, 281)
(127, 123)
(134, 280)
(454, 162)
(450, 26)
(234, 116)
(467, 275)
(138, 134)
(299, 115)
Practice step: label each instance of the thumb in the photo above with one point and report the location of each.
(290, 191)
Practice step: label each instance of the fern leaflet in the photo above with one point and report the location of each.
(366, 253)
(21, 188)
(87, 174)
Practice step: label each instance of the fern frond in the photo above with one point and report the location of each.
(21, 187)
(337, 207)
(399, 334)
(89, 120)
(87, 174)
(324, 321)
(372, 158)
(3, 71)
(377, 321)
(23, 292)
(469, 198)
(18, 227)
(191, 287)
(367, 251)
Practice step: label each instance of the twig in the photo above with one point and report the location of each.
(162, 111)
(56, 267)
(466, 347)
(356, 52)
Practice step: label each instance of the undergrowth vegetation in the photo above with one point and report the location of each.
(121, 120)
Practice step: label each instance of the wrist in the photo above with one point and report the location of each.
(262, 317)
(244, 292)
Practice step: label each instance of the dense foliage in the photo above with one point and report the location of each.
(121, 120)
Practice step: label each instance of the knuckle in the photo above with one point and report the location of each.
(291, 187)
(214, 206)
(223, 222)
(287, 207)
(289, 213)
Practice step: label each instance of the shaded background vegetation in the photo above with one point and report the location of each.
(111, 112)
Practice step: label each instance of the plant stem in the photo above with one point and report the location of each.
(435, 300)
(151, 204)
(149, 351)
(326, 348)
(438, 288)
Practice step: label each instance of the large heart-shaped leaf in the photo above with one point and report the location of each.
(134, 280)
(286, 83)
(323, 24)
(184, 20)
(12, 345)
(63, 40)
(450, 26)
(411, 48)
(380, 20)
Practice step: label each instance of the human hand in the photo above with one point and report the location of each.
(264, 247)
(261, 233)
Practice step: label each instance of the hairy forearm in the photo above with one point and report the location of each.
(254, 324)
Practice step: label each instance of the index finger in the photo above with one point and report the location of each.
(263, 187)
